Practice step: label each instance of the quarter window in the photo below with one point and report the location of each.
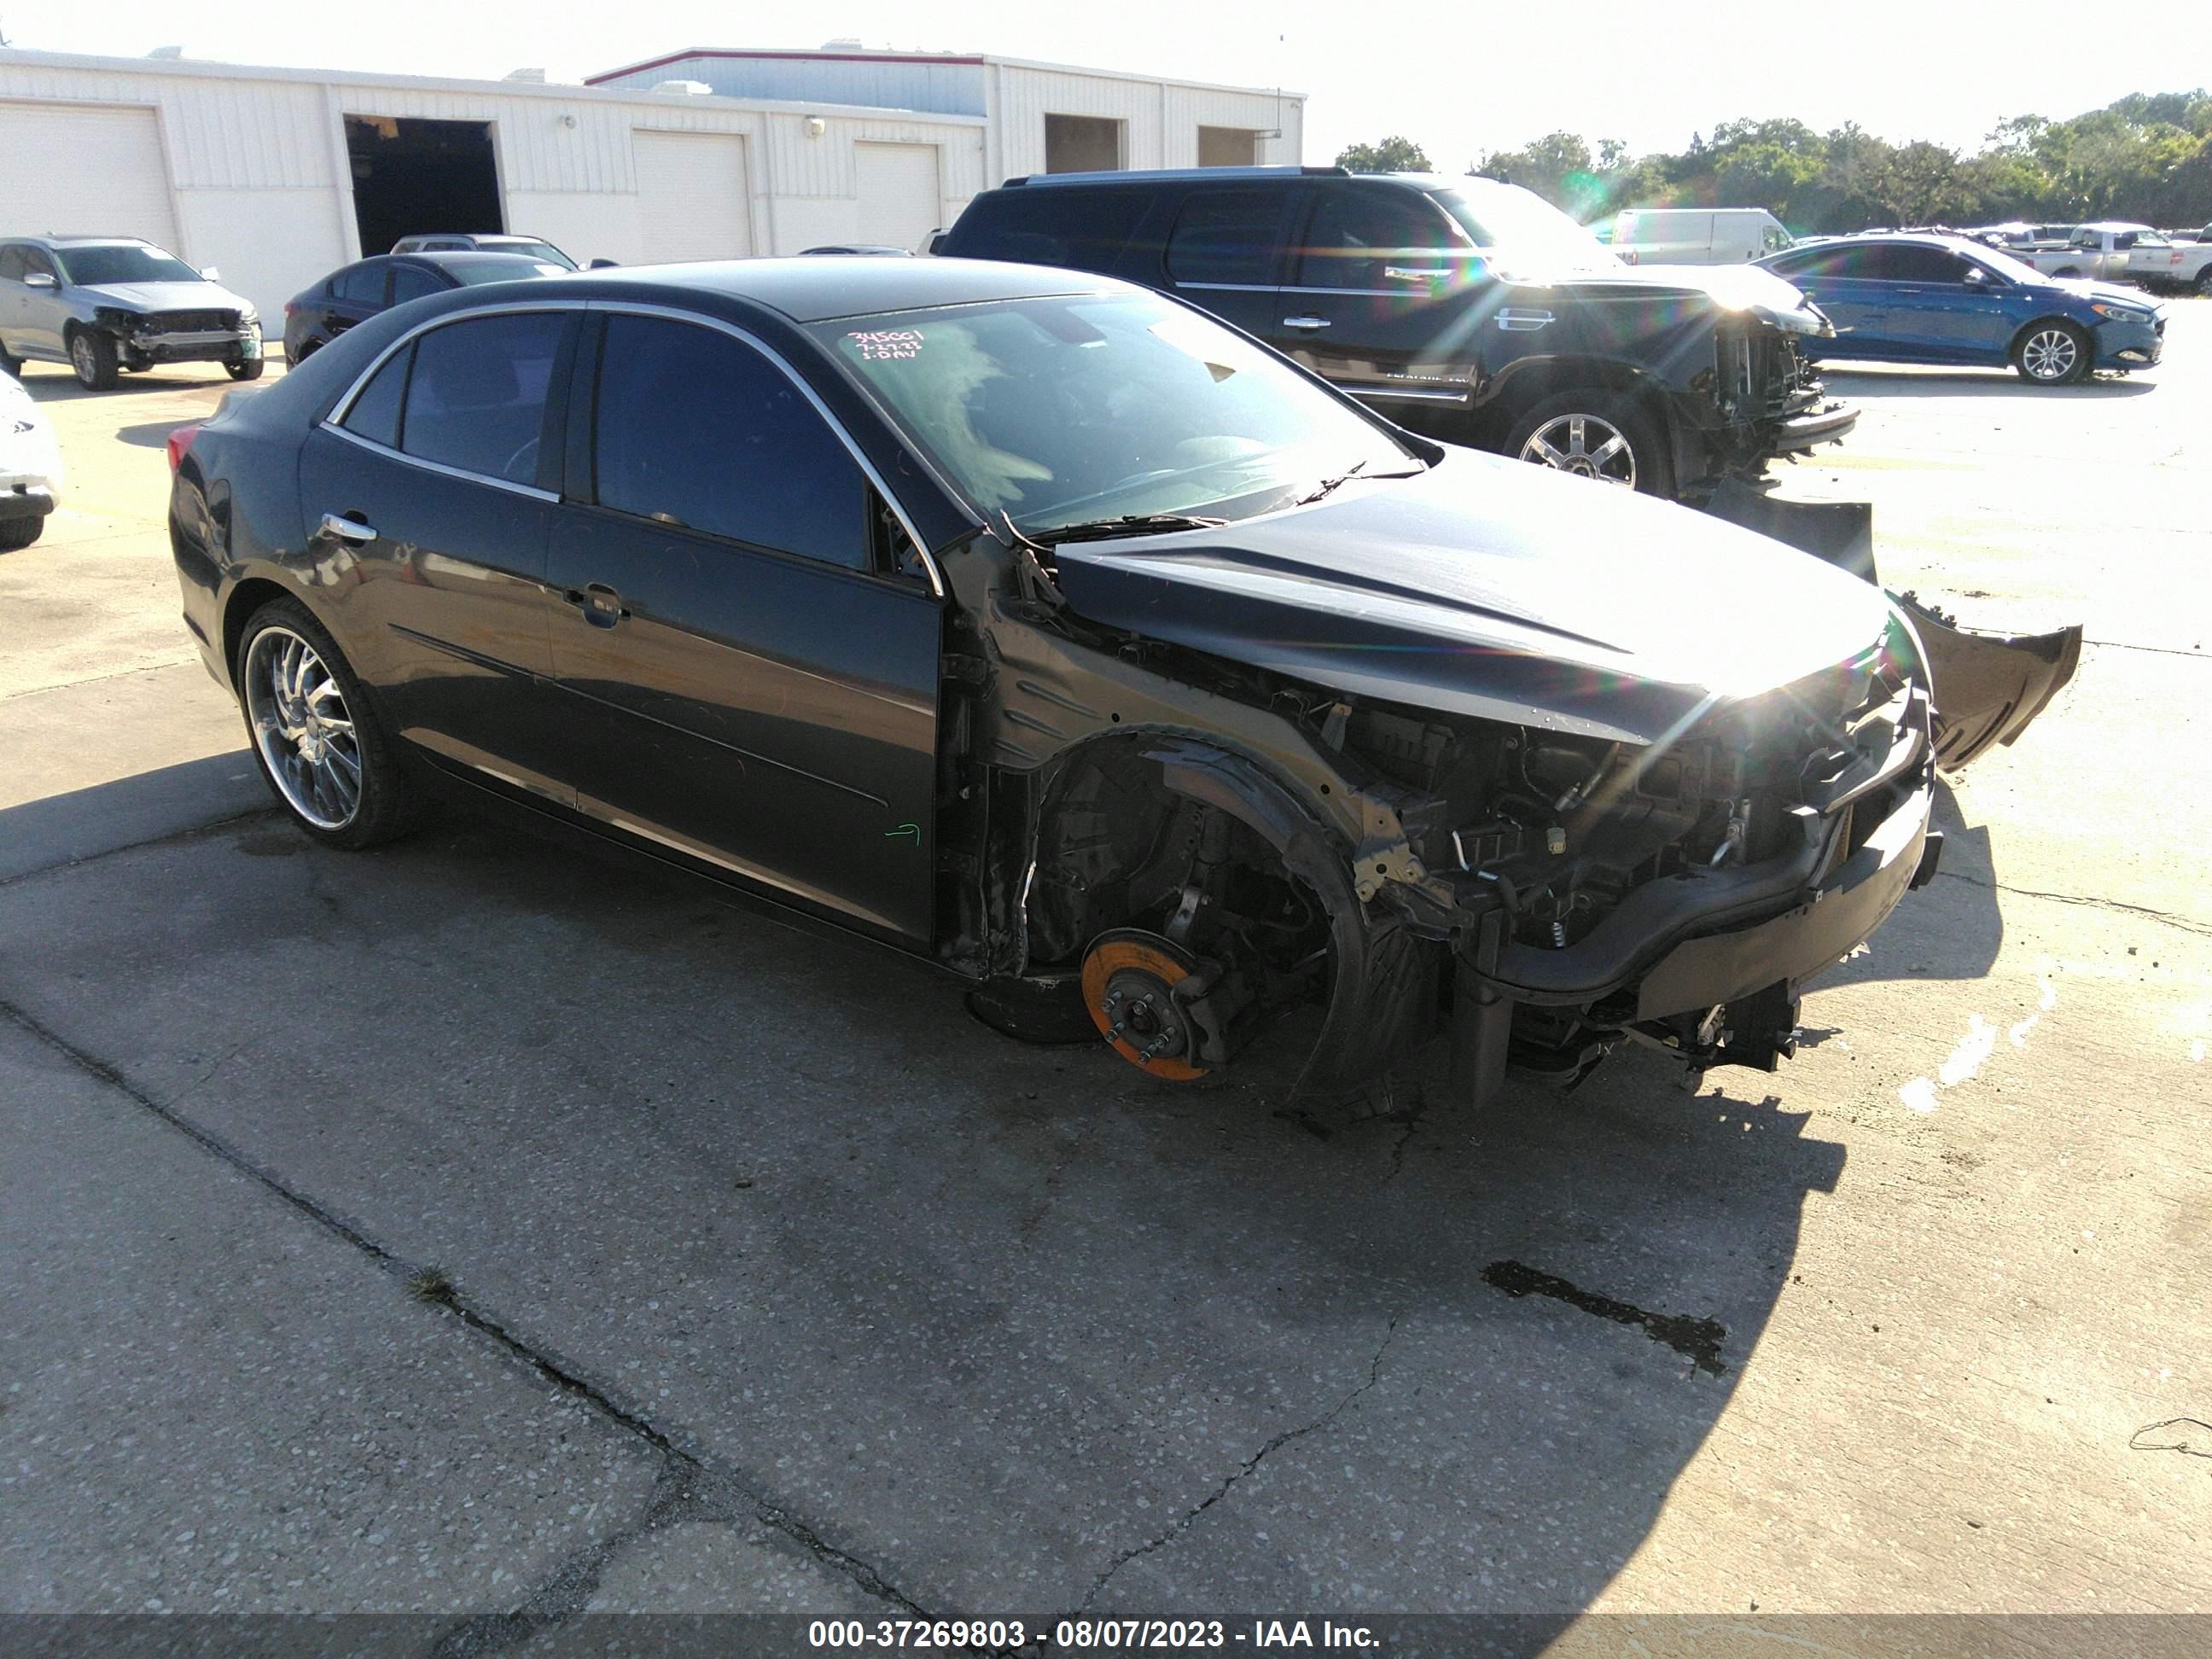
(477, 399)
(375, 414)
(693, 427)
(1359, 236)
(1230, 236)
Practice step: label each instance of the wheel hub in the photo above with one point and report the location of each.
(1128, 982)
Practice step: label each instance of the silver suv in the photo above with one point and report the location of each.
(102, 304)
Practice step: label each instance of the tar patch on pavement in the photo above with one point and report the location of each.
(1698, 1340)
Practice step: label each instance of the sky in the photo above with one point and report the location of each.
(1460, 79)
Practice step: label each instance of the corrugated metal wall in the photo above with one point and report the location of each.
(1161, 119)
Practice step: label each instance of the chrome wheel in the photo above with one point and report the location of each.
(2050, 354)
(1587, 445)
(303, 728)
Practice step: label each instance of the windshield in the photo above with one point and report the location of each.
(528, 246)
(123, 262)
(502, 270)
(1520, 222)
(1068, 410)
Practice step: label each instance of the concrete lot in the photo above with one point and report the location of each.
(780, 1285)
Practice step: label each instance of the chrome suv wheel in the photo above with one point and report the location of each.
(303, 728)
(1586, 446)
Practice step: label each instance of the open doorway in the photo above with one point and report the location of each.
(410, 176)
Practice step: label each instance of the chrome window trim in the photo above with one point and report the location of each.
(1409, 394)
(343, 407)
(428, 465)
(1235, 287)
(743, 336)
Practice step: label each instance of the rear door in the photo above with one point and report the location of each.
(1225, 248)
(440, 471)
(747, 682)
(1387, 296)
(353, 296)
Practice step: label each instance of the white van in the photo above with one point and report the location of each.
(1696, 236)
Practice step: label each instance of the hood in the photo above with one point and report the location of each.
(167, 296)
(1494, 588)
(2096, 293)
(1731, 288)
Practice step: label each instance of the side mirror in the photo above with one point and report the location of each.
(600, 265)
(1977, 275)
(40, 279)
(211, 273)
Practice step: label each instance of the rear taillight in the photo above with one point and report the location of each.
(180, 440)
(291, 307)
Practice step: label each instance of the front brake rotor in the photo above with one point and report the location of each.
(1129, 978)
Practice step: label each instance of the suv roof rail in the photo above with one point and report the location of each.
(1143, 175)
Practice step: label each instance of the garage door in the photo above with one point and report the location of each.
(78, 168)
(694, 196)
(900, 199)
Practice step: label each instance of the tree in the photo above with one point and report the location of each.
(1393, 155)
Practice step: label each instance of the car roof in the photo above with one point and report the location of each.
(465, 259)
(50, 239)
(816, 290)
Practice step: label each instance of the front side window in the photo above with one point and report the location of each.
(360, 285)
(123, 262)
(1227, 236)
(412, 282)
(1904, 262)
(1062, 411)
(695, 429)
(1359, 238)
(476, 398)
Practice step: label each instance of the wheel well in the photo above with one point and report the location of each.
(2029, 327)
(1529, 385)
(247, 598)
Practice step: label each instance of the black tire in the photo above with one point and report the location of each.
(2053, 352)
(2204, 281)
(15, 534)
(249, 370)
(384, 805)
(92, 355)
(1643, 463)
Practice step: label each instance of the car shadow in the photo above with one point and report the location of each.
(58, 385)
(1907, 381)
(152, 434)
(1018, 1326)
(85, 823)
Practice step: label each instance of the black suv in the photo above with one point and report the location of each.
(1470, 310)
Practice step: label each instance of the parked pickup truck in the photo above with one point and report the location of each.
(2112, 252)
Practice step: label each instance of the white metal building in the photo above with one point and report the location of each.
(277, 176)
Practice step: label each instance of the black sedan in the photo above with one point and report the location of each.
(355, 293)
(1049, 631)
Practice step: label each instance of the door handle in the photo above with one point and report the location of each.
(1305, 322)
(348, 528)
(601, 606)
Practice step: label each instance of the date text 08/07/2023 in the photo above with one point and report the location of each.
(1003, 1635)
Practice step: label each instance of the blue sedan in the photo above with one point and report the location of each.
(1947, 300)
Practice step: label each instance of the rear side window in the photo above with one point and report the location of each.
(1082, 228)
(13, 265)
(1228, 236)
(375, 414)
(411, 283)
(1902, 261)
(1830, 262)
(476, 398)
(361, 284)
(693, 427)
(1357, 237)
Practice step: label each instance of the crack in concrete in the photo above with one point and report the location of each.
(2160, 650)
(1409, 1125)
(2186, 924)
(1185, 1522)
(687, 1469)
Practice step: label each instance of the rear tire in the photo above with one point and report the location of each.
(2053, 354)
(2204, 281)
(314, 734)
(250, 370)
(1589, 432)
(19, 533)
(92, 355)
